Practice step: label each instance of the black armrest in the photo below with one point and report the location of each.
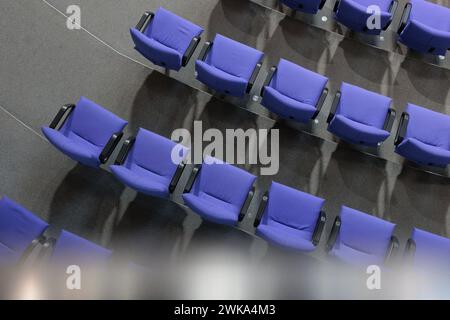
(261, 209)
(405, 17)
(410, 251)
(176, 177)
(392, 250)
(334, 233)
(402, 127)
(205, 50)
(192, 178)
(144, 21)
(320, 103)
(336, 6)
(60, 115)
(389, 121)
(110, 146)
(246, 204)
(268, 79)
(322, 4)
(336, 100)
(319, 228)
(255, 73)
(123, 153)
(392, 10)
(190, 51)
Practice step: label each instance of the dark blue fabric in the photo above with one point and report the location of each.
(149, 167)
(166, 39)
(308, 6)
(86, 132)
(18, 228)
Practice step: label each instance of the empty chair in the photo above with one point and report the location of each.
(361, 116)
(219, 192)
(361, 239)
(290, 218)
(88, 134)
(228, 66)
(166, 39)
(294, 92)
(20, 232)
(429, 252)
(359, 15)
(145, 164)
(423, 136)
(308, 6)
(425, 27)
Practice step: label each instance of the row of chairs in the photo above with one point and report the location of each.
(293, 92)
(285, 216)
(423, 25)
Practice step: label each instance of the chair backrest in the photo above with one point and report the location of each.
(154, 153)
(382, 4)
(18, 228)
(298, 83)
(171, 30)
(364, 232)
(363, 106)
(432, 251)
(233, 57)
(428, 126)
(431, 14)
(292, 207)
(93, 123)
(223, 181)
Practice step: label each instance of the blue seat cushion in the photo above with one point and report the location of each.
(423, 153)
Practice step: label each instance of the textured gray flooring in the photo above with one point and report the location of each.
(44, 65)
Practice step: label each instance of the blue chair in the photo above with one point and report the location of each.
(423, 136)
(88, 134)
(428, 252)
(355, 14)
(307, 6)
(219, 192)
(228, 66)
(425, 27)
(145, 164)
(294, 92)
(290, 218)
(166, 39)
(20, 232)
(360, 116)
(361, 239)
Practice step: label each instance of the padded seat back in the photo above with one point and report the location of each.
(172, 31)
(233, 57)
(431, 14)
(432, 251)
(92, 123)
(293, 208)
(154, 153)
(428, 126)
(363, 106)
(298, 83)
(224, 182)
(18, 228)
(364, 233)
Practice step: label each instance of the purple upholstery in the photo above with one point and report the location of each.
(86, 132)
(18, 228)
(228, 66)
(290, 217)
(363, 239)
(360, 116)
(427, 139)
(166, 39)
(149, 167)
(293, 91)
(432, 253)
(219, 192)
(428, 28)
(308, 6)
(353, 14)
